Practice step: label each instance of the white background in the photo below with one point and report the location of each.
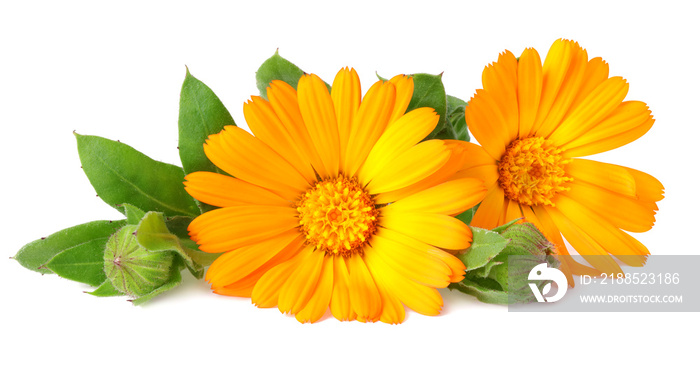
(115, 70)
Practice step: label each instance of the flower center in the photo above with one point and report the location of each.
(337, 216)
(532, 171)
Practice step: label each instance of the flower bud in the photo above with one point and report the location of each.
(131, 268)
(499, 261)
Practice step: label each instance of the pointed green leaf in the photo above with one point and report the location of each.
(200, 258)
(455, 117)
(481, 292)
(278, 68)
(485, 246)
(178, 226)
(153, 235)
(447, 133)
(37, 253)
(133, 214)
(468, 215)
(428, 91)
(83, 263)
(201, 114)
(120, 174)
(106, 289)
(504, 227)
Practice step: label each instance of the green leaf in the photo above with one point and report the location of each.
(447, 133)
(504, 227)
(201, 114)
(120, 174)
(133, 214)
(178, 226)
(106, 289)
(37, 253)
(175, 280)
(455, 117)
(468, 215)
(278, 68)
(428, 91)
(153, 235)
(83, 263)
(481, 292)
(485, 246)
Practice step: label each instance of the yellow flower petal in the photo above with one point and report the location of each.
(500, 82)
(340, 305)
(238, 263)
(590, 249)
(529, 90)
(267, 290)
(413, 165)
(455, 162)
(596, 73)
(453, 263)
(487, 123)
(409, 130)
(512, 211)
(301, 284)
(226, 191)
(284, 101)
(419, 298)
(621, 211)
(392, 308)
(539, 216)
(225, 229)
(232, 150)
(404, 93)
(600, 103)
(368, 125)
(411, 263)
(439, 230)
(318, 303)
(612, 239)
(316, 107)
(267, 127)
(628, 122)
(364, 296)
(649, 189)
(568, 90)
(476, 163)
(554, 70)
(244, 286)
(449, 198)
(608, 176)
(491, 210)
(346, 95)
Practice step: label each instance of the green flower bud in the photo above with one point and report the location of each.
(131, 268)
(492, 274)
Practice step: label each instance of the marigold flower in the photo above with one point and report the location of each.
(532, 121)
(335, 202)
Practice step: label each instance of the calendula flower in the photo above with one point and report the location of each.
(533, 121)
(335, 202)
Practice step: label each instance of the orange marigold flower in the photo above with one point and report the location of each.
(532, 121)
(335, 202)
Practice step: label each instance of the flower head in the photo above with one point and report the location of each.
(335, 202)
(533, 121)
